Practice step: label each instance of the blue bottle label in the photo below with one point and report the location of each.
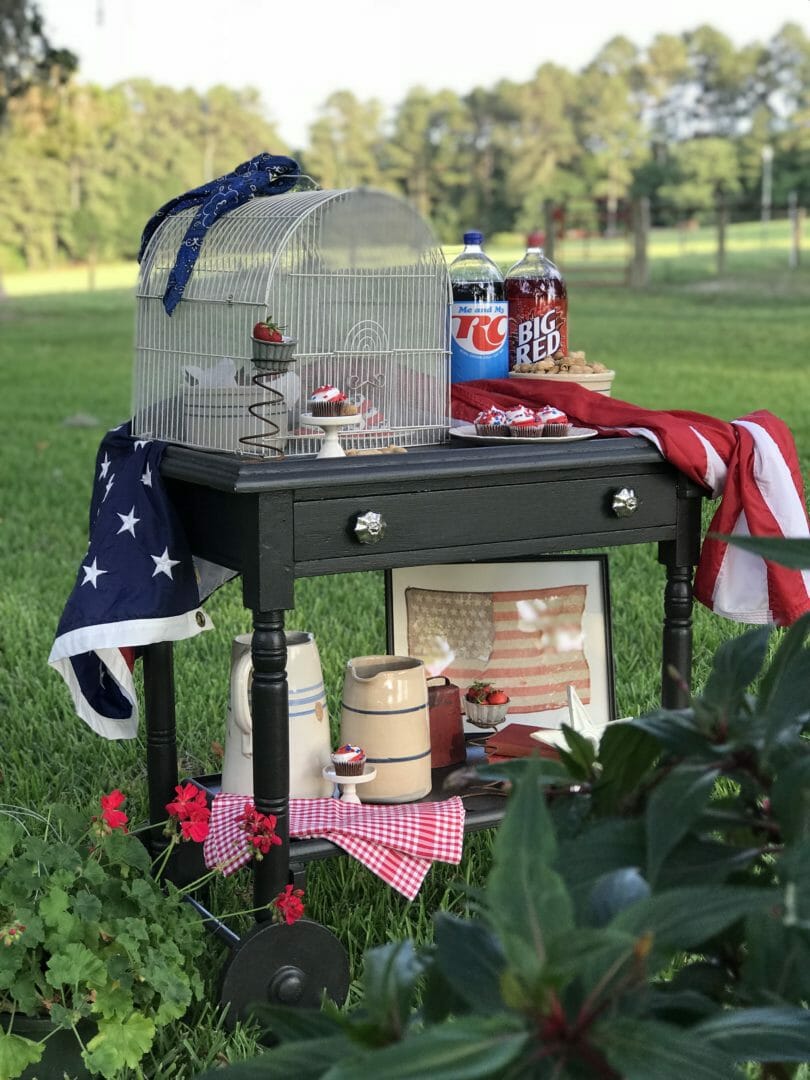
(479, 347)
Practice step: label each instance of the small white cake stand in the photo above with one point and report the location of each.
(331, 426)
(348, 783)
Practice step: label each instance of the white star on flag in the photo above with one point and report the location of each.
(108, 488)
(163, 564)
(140, 443)
(105, 467)
(92, 573)
(146, 478)
(128, 522)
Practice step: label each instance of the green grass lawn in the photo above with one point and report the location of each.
(722, 349)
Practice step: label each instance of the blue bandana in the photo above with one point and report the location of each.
(265, 174)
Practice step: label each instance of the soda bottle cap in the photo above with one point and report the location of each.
(473, 237)
(535, 239)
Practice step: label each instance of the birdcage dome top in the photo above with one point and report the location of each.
(355, 276)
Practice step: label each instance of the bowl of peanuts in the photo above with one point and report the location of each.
(573, 367)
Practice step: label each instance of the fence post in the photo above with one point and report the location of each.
(639, 272)
(721, 232)
(548, 219)
(795, 215)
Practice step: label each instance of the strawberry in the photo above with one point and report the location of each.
(268, 331)
(478, 691)
(497, 697)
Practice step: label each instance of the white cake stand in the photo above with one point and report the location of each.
(348, 783)
(331, 426)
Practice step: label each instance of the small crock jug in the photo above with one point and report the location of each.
(385, 711)
(310, 742)
(446, 723)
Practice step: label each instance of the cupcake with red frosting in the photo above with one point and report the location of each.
(555, 422)
(348, 760)
(524, 422)
(327, 401)
(491, 421)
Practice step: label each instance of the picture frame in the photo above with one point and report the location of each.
(532, 628)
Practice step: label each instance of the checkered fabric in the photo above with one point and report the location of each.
(396, 842)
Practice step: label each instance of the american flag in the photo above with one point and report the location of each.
(751, 463)
(137, 584)
(529, 642)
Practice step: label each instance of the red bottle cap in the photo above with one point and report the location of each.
(535, 239)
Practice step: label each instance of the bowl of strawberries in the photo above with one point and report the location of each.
(272, 351)
(485, 705)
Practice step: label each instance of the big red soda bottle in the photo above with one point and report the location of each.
(478, 322)
(538, 307)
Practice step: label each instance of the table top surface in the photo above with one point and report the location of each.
(447, 461)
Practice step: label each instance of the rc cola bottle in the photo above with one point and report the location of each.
(478, 315)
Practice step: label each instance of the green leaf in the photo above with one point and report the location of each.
(685, 918)
(788, 703)
(737, 663)
(471, 961)
(390, 974)
(582, 750)
(626, 754)
(54, 911)
(790, 800)
(294, 1025)
(765, 1034)
(87, 906)
(678, 731)
(790, 646)
(309, 1060)
(526, 900)
(75, 965)
(642, 1049)
(119, 1044)
(16, 1054)
(587, 950)
(791, 552)
(10, 831)
(704, 862)
(776, 965)
(472, 1048)
(672, 808)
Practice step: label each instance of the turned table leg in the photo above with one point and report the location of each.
(161, 735)
(676, 665)
(271, 752)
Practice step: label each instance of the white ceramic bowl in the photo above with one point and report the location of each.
(485, 716)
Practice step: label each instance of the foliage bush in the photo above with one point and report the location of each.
(647, 913)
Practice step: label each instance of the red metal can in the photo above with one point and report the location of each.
(446, 724)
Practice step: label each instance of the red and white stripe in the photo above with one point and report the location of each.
(751, 463)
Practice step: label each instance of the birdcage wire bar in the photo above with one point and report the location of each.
(355, 276)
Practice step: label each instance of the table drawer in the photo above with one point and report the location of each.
(458, 517)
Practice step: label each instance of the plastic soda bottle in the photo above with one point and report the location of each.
(538, 307)
(478, 315)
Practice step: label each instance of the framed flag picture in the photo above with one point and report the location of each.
(533, 629)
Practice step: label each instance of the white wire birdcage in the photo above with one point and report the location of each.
(355, 276)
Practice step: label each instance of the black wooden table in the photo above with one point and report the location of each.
(276, 521)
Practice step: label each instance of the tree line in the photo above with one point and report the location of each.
(685, 117)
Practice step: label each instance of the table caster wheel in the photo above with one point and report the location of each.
(284, 965)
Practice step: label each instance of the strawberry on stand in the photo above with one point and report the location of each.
(485, 705)
(272, 351)
(268, 331)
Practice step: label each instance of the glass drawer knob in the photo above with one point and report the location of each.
(369, 528)
(625, 502)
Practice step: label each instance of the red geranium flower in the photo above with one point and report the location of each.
(190, 811)
(115, 818)
(260, 830)
(290, 904)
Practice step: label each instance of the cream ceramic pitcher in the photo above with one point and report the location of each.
(310, 742)
(385, 711)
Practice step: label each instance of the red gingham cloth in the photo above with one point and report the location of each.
(397, 842)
